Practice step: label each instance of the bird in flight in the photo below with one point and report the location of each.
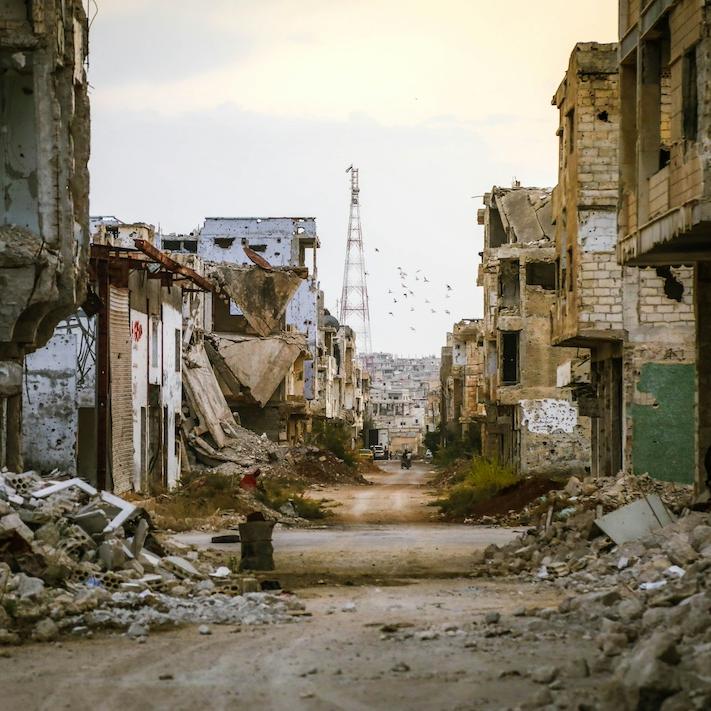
(449, 288)
(427, 301)
(433, 311)
(391, 313)
(427, 281)
(376, 249)
(446, 311)
(412, 328)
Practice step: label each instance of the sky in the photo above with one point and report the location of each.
(257, 107)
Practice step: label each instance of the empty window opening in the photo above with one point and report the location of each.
(154, 342)
(497, 233)
(509, 285)
(18, 143)
(258, 247)
(541, 274)
(690, 96)
(509, 357)
(178, 349)
(570, 130)
(224, 242)
(673, 288)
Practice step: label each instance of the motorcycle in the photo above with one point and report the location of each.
(406, 462)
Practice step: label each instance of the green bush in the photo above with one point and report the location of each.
(335, 437)
(483, 480)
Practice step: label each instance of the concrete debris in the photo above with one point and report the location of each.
(74, 559)
(635, 520)
(600, 495)
(648, 598)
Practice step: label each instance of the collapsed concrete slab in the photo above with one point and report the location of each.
(262, 296)
(259, 364)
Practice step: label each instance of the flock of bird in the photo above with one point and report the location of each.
(406, 295)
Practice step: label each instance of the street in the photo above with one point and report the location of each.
(364, 646)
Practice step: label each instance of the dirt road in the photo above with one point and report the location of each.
(381, 533)
(400, 643)
(397, 496)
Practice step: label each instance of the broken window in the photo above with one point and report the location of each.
(497, 233)
(509, 357)
(509, 285)
(541, 274)
(224, 242)
(258, 247)
(690, 97)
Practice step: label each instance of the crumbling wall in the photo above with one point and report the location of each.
(659, 373)
(44, 184)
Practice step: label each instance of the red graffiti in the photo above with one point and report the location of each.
(137, 331)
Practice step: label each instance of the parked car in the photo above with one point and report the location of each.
(378, 451)
(365, 455)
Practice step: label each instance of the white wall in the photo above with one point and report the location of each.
(139, 388)
(172, 386)
(49, 404)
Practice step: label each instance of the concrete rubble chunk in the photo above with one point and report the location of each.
(635, 520)
(182, 567)
(12, 523)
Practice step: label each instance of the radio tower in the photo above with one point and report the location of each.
(354, 297)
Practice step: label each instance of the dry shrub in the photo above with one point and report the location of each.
(483, 480)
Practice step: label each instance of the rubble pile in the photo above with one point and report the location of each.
(73, 559)
(313, 465)
(242, 447)
(601, 495)
(648, 600)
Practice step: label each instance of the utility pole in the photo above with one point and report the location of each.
(354, 297)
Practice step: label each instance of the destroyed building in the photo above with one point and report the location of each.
(664, 209)
(44, 150)
(531, 424)
(636, 324)
(279, 359)
(103, 397)
(264, 338)
(461, 380)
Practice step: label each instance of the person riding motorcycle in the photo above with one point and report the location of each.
(406, 461)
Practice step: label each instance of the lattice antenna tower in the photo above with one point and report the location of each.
(355, 311)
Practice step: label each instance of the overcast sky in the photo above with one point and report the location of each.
(256, 108)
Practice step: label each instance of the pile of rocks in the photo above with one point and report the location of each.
(73, 558)
(647, 600)
(602, 494)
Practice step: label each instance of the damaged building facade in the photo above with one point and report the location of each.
(103, 398)
(283, 362)
(462, 410)
(531, 423)
(664, 208)
(636, 325)
(44, 222)
(617, 259)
